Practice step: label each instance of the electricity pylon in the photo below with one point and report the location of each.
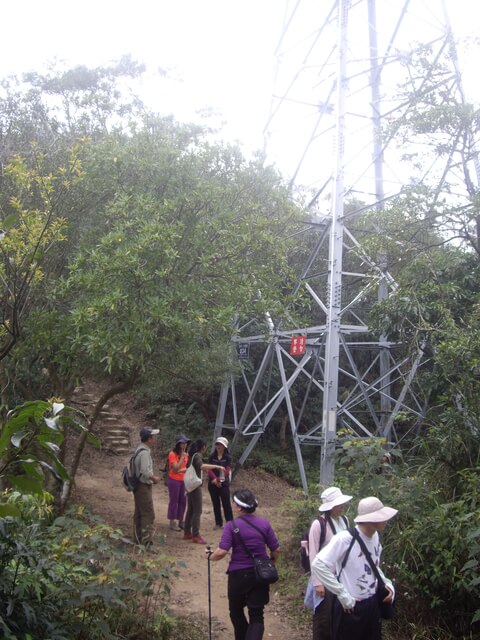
(345, 376)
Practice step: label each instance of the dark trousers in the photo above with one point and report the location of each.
(144, 515)
(194, 511)
(362, 624)
(243, 591)
(322, 619)
(221, 495)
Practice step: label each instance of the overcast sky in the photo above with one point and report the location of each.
(219, 53)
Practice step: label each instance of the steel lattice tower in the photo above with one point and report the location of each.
(343, 75)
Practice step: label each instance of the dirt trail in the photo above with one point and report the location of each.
(98, 486)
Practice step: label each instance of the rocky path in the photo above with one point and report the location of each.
(99, 487)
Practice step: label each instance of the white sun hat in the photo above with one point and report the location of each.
(332, 497)
(371, 509)
(222, 440)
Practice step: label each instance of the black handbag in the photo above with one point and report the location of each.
(387, 609)
(265, 570)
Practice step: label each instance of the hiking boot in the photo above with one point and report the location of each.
(174, 526)
(217, 527)
(199, 540)
(181, 524)
(187, 536)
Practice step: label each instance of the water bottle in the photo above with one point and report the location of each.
(221, 477)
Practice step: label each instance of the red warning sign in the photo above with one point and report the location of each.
(297, 345)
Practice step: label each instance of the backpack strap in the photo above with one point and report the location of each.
(368, 556)
(323, 531)
(345, 557)
(323, 527)
(330, 524)
(134, 457)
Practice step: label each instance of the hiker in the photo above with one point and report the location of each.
(177, 465)
(321, 531)
(144, 514)
(219, 482)
(194, 498)
(356, 614)
(243, 590)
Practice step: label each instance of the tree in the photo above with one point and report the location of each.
(30, 209)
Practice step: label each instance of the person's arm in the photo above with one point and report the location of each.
(389, 585)
(272, 542)
(145, 467)
(225, 544)
(181, 462)
(218, 554)
(325, 564)
(327, 578)
(205, 466)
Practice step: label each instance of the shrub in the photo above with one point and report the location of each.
(72, 577)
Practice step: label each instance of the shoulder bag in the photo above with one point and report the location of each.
(386, 608)
(190, 479)
(265, 570)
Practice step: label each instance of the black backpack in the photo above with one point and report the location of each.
(129, 478)
(304, 555)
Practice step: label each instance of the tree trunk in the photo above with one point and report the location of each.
(116, 389)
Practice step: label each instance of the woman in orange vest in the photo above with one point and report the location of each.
(177, 465)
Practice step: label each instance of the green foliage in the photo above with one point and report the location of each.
(31, 224)
(431, 547)
(72, 577)
(30, 443)
(179, 255)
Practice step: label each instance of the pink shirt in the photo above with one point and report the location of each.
(314, 540)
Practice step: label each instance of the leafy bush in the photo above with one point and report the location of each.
(72, 578)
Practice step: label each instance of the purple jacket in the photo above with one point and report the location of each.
(252, 538)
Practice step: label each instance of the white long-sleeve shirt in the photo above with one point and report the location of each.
(356, 581)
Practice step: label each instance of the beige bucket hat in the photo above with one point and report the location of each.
(372, 509)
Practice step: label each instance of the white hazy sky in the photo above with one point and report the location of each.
(220, 53)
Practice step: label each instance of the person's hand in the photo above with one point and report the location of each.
(351, 606)
(389, 596)
(155, 479)
(320, 590)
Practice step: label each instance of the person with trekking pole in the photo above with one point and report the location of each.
(247, 536)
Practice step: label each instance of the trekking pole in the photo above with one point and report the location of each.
(209, 553)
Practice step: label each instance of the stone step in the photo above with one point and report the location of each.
(110, 417)
(119, 432)
(116, 440)
(121, 451)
